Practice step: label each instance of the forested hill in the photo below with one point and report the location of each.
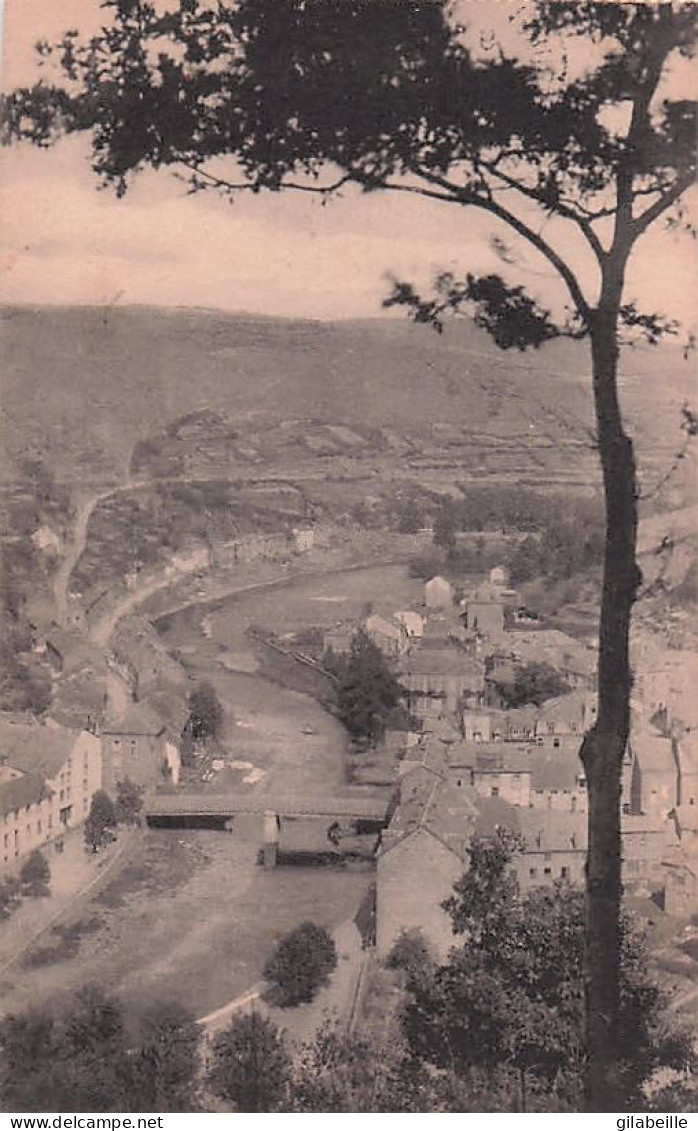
(82, 384)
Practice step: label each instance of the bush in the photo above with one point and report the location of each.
(9, 896)
(129, 802)
(251, 1065)
(35, 876)
(412, 953)
(301, 963)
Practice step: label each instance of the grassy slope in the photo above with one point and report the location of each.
(81, 384)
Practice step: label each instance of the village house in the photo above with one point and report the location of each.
(574, 713)
(27, 815)
(438, 677)
(554, 842)
(686, 755)
(51, 773)
(438, 593)
(575, 662)
(653, 775)
(645, 841)
(412, 623)
(136, 746)
(391, 638)
(558, 779)
(423, 852)
(493, 769)
(485, 611)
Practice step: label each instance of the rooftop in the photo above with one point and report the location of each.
(18, 792)
(139, 719)
(543, 830)
(429, 802)
(514, 756)
(426, 660)
(36, 748)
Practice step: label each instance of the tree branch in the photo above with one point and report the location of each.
(562, 209)
(680, 186)
(468, 196)
(250, 186)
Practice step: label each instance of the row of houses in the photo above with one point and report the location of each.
(452, 789)
(476, 766)
(49, 773)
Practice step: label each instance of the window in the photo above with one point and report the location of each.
(556, 743)
(547, 871)
(565, 873)
(5, 840)
(533, 872)
(38, 827)
(494, 792)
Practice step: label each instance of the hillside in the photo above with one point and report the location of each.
(81, 385)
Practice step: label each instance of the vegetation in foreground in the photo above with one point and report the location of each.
(497, 1027)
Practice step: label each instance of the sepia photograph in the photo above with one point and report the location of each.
(349, 560)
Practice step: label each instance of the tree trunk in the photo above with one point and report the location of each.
(604, 745)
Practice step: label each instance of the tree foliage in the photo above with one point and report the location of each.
(534, 682)
(205, 712)
(35, 875)
(301, 963)
(250, 1065)
(9, 896)
(367, 691)
(164, 1066)
(129, 801)
(83, 1058)
(512, 992)
(101, 821)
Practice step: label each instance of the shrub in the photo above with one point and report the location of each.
(301, 963)
(412, 953)
(251, 1065)
(35, 876)
(129, 802)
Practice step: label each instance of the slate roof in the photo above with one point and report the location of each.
(426, 660)
(38, 748)
(429, 803)
(514, 757)
(139, 719)
(555, 768)
(543, 830)
(18, 792)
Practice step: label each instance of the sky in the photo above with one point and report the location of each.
(66, 241)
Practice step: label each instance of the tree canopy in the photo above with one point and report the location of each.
(512, 992)
(367, 691)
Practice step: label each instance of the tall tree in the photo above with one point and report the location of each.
(367, 691)
(251, 1065)
(312, 97)
(164, 1067)
(205, 712)
(101, 821)
(511, 994)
